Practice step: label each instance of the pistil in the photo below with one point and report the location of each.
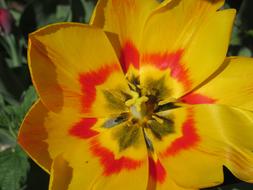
(136, 101)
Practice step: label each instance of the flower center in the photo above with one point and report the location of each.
(135, 104)
(144, 105)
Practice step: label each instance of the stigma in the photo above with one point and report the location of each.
(136, 104)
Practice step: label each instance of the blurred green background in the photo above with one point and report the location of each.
(20, 17)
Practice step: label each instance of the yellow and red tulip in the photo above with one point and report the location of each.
(141, 98)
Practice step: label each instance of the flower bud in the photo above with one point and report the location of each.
(5, 21)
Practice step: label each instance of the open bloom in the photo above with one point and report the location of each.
(142, 98)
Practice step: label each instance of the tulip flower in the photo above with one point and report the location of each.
(143, 97)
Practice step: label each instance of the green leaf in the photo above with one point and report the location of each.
(12, 115)
(16, 15)
(10, 120)
(5, 116)
(6, 140)
(245, 52)
(250, 33)
(30, 97)
(13, 168)
(63, 13)
(235, 39)
(1, 101)
(13, 161)
(88, 7)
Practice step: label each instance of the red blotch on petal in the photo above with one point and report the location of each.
(170, 61)
(129, 56)
(90, 80)
(156, 170)
(108, 161)
(188, 139)
(195, 98)
(83, 128)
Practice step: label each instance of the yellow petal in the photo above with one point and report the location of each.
(32, 136)
(44, 134)
(205, 138)
(67, 129)
(85, 167)
(227, 135)
(99, 14)
(125, 180)
(193, 28)
(189, 169)
(176, 152)
(178, 24)
(107, 168)
(160, 178)
(125, 18)
(105, 171)
(88, 145)
(232, 86)
(61, 174)
(71, 64)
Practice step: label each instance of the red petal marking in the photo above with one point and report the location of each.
(171, 61)
(83, 128)
(188, 139)
(110, 164)
(90, 80)
(156, 170)
(195, 98)
(129, 56)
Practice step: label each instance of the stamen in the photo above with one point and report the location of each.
(167, 100)
(132, 85)
(139, 101)
(132, 101)
(136, 100)
(159, 120)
